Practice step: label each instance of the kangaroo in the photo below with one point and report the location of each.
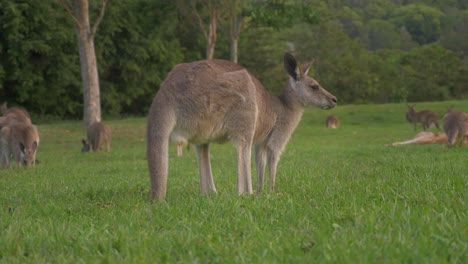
(14, 115)
(20, 141)
(332, 121)
(98, 135)
(214, 101)
(424, 138)
(456, 127)
(426, 117)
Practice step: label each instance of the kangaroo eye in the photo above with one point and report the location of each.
(314, 87)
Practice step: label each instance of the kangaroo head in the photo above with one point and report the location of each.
(411, 112)
(28, 153)
(308, 91)
(86, 146)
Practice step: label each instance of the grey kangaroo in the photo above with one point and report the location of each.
(20, 141)
(98, 136)
(214, 101)
(456, 127)
(426, 117)
(332, 121)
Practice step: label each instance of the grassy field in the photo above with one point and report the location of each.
(341, 197)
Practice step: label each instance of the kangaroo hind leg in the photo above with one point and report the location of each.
(204, 166)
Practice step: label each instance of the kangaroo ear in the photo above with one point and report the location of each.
(305, 68)
(34, 146)
(290, 65)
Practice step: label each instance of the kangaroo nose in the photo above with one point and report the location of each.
(334, 99)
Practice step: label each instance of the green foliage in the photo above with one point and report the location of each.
(341, 196)
(430, 73)
(39, 58)
(364, 51)
(423, 22)
(134, 54)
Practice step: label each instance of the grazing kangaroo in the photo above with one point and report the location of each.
(14, 115)
(214, 101)
(426, 117)
(332, 121)
(456, 127)
(98, 135)
(20, 141)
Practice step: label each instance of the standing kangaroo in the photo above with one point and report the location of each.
(98, 135)
(214, 101)
(20, 141)
(425, 117)
(456, 127)
(332, 121)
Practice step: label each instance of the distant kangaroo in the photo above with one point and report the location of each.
(456, 127)
(20, 141)
(98, 135)
(425, 117)
(332, 121)
(214, 101)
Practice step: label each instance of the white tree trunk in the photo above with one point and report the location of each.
(90, 78)
(88, 63)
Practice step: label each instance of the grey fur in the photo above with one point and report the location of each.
(20, 141)
(98, 136)
(13, 115)
(332, 121)
(214, 101)
(426, 117)
(456, 127)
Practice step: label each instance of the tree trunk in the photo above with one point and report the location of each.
(234, 42)
(211, 38)
(89, 76)
(89, 70)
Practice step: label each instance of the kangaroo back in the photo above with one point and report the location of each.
(456, 127)
(98, 137)
(332, 121)
(14, 115)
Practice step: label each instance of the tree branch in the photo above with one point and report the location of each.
(101, 16)
(67, 7)
(200, 22)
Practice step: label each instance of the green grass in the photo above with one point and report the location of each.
(341, 197)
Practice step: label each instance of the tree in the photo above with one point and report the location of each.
(206, 14)
(421, 21)
(79, 11)
(236, 20)
(38, 58)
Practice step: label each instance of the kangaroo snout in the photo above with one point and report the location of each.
(332, 103)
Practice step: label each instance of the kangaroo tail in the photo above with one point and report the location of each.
(159, 126)
(452, 136)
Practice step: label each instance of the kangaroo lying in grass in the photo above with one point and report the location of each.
(20, 141)
(456, 127)
(426, 117)
(424, 138)
(332, 121)
(214, 101)
(98, 136)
